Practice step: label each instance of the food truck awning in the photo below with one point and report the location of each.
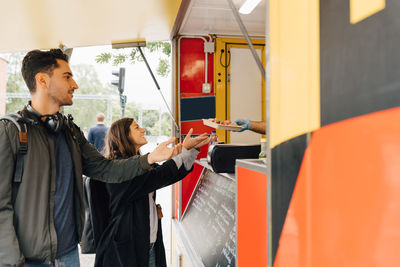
(27, 24)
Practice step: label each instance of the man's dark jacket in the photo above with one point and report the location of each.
(27, 226)
(96, 136)
(126, 239)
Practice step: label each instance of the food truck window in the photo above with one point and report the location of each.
(244, 91)
(240, 88)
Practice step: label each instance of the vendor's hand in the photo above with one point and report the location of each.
(246, 124)
(196, 142)
(162, 152)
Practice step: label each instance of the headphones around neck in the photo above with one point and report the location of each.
(53, 123)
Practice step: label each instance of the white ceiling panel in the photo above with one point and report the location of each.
(215, 17)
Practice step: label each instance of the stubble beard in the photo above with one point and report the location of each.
(62, 102)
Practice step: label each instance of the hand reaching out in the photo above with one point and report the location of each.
(196, 142)
(163, 152)
(246, 124)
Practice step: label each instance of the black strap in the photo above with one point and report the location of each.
(19, 168)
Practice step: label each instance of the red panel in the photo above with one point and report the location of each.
(192, 71)
(203, 152)
(198, 127)
(345, 209)
(192, 66)
(189, 183)
(251, 214)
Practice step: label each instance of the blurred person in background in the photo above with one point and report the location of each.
(98, 133)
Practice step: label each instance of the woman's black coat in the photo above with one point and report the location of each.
(125, 242)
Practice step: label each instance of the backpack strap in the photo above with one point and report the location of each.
(20, 123)
(75, 131)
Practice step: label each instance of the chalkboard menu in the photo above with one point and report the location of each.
(210, 221)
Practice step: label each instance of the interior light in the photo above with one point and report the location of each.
(248, 6)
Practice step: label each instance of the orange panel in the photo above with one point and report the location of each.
(251, 216)
(345, 209)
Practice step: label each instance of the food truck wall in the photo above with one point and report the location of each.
(194, 105)
(237, 91)
(333, 146)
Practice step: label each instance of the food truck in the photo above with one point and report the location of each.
(325, 77)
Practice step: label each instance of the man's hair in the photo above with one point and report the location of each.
(100, 117)
(118, 144)
(40, 61)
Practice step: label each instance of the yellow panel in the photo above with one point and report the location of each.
(219, 87)
(263, 92)
(294, 65)
(361, 9)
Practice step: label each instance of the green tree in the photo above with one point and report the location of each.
(15, 82)
(132, 55)
(88, 80)
(84, 110)
(149, 122)
(166, 125)
(131, 110)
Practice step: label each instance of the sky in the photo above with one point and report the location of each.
(139, 85)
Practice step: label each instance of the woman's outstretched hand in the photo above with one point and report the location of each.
(163, 152)
(195, 142)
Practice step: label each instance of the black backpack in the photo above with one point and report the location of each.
(97, 214)
(21, 124)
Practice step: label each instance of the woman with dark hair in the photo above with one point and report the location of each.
(133, 236)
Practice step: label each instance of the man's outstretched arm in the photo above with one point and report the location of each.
(99, 168)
